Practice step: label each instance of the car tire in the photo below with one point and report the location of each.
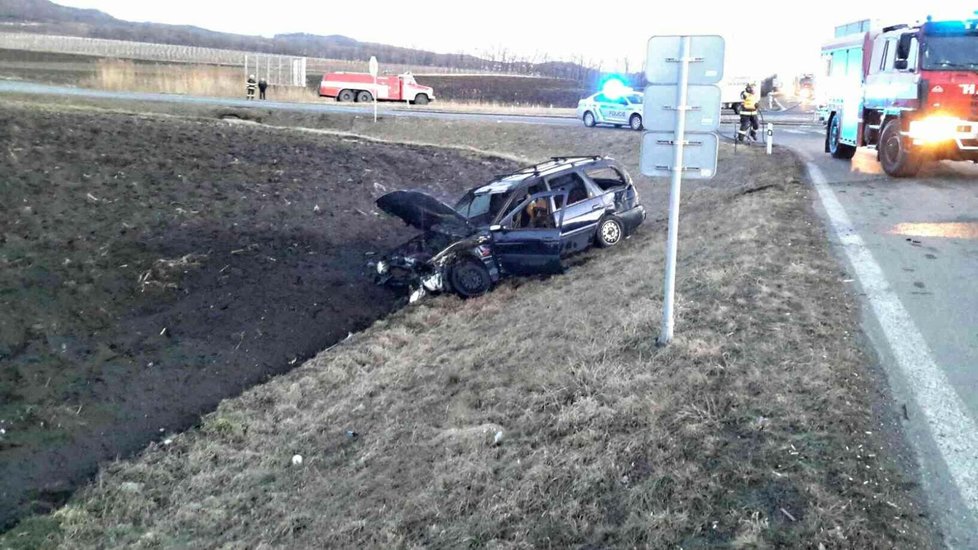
(589, 119)
(838, 149)
(345, 96)
(469, 278)
(421, 99)
(897, 159)
(635, 122)
(364, 96)
(611, 232)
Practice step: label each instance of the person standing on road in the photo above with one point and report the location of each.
(252, 84)
(748, 115)
(262, 86)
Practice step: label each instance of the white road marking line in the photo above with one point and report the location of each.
(793, 131)
(953, 430)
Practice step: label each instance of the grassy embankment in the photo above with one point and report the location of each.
(755, 428)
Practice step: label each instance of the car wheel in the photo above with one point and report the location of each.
(610, 232)
(345, 95)
(420, 99)
(838, 149)
(589, 119)
(897, 159)
(364, 97)
(635, 122)
(469, 278)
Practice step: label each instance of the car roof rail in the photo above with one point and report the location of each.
(576, 158)
(534, 169)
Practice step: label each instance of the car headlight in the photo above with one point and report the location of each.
(382, 267)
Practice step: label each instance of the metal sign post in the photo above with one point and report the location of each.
(374, 67)
(690, 66)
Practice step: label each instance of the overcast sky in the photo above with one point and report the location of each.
(765, 37)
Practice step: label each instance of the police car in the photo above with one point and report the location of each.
(617, 109)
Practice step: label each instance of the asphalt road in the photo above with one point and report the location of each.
(912, 248)
(329, 106)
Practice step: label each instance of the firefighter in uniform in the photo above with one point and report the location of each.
(252, 84)
(748, 115)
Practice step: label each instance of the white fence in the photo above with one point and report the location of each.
(280, 70)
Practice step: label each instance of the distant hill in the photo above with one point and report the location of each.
(49, 18)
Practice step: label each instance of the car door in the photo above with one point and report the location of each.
(581, 211)
(615, 111)
(526, 250)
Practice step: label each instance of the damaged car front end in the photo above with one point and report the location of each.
(450, 255)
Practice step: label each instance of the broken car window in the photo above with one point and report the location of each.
(572, 184)
(481, 208)
(606, 178)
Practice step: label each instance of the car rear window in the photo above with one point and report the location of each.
(606, 177)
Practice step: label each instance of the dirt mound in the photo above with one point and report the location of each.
(151, 267)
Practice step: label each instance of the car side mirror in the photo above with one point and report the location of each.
(901, 64)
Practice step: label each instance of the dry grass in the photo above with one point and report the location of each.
(754, 429)
(199, 80)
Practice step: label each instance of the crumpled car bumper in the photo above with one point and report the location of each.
(632, 218)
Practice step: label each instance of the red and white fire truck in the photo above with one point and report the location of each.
(362, 87)
(909, 91)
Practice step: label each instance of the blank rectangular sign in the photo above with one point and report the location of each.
(699, 155)
(660, 114)
(662, 62)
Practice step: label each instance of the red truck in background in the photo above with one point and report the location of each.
(360, 87)
(909, 91)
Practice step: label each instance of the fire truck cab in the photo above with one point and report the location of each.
(907, 91)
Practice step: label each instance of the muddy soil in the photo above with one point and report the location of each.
(150, 267)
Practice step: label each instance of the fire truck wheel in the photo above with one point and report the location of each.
(364, 97)
(345, 95)
(836, 148)
(420, 99)
(589, 119)
(897, 158)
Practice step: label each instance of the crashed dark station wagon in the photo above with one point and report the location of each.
(518, 224)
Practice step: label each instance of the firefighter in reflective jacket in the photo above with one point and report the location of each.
(252, 84)
(748, 114)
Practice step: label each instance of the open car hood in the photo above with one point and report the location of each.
(425, 212)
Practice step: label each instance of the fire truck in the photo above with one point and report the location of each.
(361, 87)
(908, 91)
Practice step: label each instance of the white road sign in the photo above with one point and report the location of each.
(662, 65)
(699, 155)
(661, 113)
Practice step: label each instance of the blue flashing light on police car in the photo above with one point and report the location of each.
(614, 87)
